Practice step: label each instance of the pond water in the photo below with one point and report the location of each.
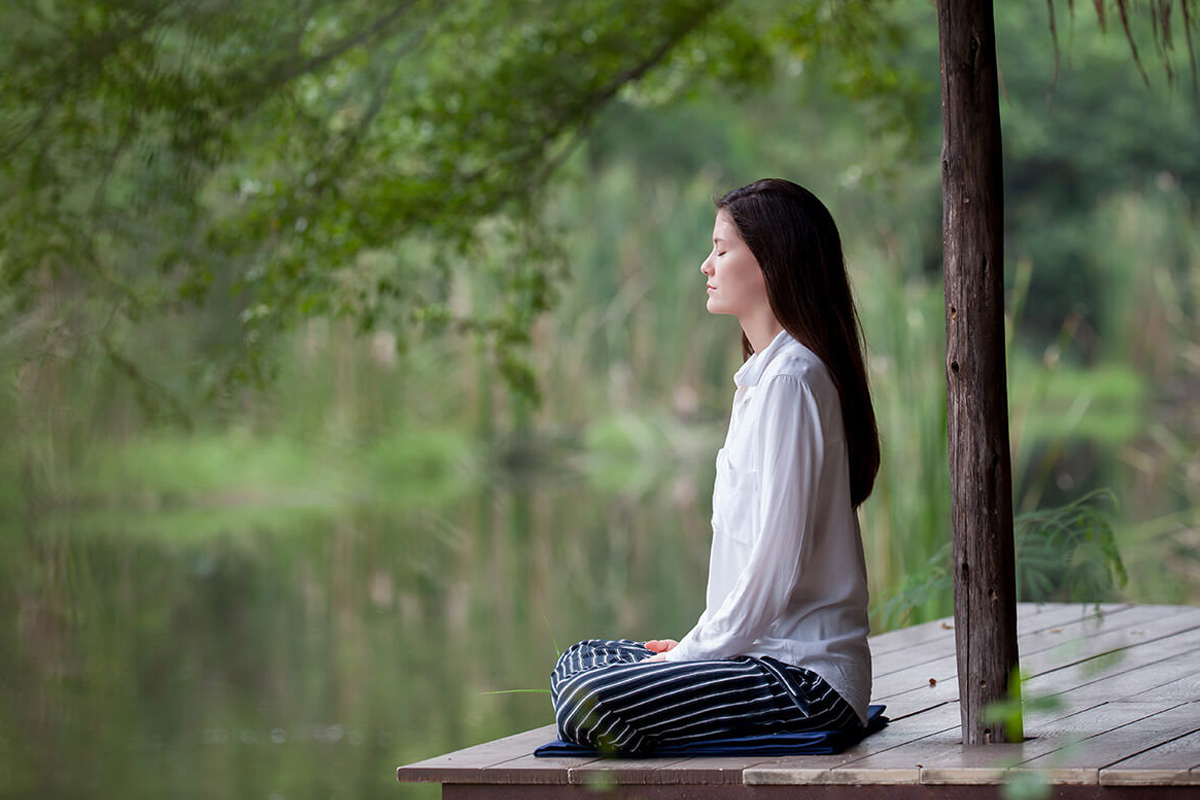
(305, 653)
(290, 645)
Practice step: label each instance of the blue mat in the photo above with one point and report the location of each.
(811, 743)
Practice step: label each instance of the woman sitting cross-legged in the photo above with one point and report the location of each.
(782, 643)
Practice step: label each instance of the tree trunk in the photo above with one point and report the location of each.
(985, 611)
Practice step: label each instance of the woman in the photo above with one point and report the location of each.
(782, 643)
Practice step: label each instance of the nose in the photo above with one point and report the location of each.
(706, 266)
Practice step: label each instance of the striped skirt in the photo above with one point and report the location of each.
(605, 698)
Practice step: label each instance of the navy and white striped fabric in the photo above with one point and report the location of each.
(604, 697)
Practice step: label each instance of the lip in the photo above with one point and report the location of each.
(711, 288)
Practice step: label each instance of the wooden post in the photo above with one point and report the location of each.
(985, 610)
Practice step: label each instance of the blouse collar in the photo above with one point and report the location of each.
(751, 372)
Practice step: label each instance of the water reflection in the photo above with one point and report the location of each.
(308, 658)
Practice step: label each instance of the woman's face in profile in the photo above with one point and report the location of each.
(735, 281)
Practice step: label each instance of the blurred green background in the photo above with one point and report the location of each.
(355, 354)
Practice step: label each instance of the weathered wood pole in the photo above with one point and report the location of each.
(985, 609)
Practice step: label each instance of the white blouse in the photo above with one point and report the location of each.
(786, 578)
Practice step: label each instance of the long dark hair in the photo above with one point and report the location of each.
(798, 248)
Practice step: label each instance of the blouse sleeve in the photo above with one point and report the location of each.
(790, 441)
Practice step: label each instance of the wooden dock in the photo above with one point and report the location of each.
(1115, 714)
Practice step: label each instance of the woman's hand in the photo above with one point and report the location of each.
(659, 646)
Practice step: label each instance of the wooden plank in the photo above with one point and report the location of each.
(934, 640)
(1047, 734)
(1034, 639)
(920, 701)
(913, 688)
(1156, 626)
(720, 769)
(527, 768)
(874, 768)
(1039, 616)
(1100, 680)
(933, 633)
(1186, 687)
(711, 771)
(1051, 725)
(734, 792)
(1173, 763)
(1126, 659)
(917, 676)
(594, 792)
(1034, 617)
(482, 755)
(468, 765)
(1094, 636)
(823, 770)
(1082, 765)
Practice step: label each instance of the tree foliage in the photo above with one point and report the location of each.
(288, 160)
(271, 162)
